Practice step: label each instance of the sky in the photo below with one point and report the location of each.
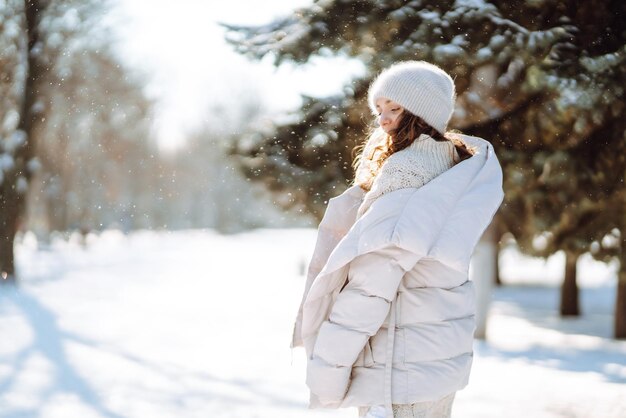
(192, 72)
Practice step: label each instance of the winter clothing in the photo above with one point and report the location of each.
(441, 408)
(420, 87)
(426, 159)
(387, 315)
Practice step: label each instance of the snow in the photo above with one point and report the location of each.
(433, 17)
(447, 52)
(474, 4)
(14, 141)
(21, 184)
(11, 120)
(6, 162)
(196, 324)
(497, 42)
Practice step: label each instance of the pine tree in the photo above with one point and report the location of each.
(542, 80)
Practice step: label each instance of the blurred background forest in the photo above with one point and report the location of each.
(143, 117)
(542, 80)
(80, 150)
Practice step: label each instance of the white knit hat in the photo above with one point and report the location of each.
(421, 88)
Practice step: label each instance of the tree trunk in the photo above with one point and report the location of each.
(482, 273)
(620, 302)
(8, 229)
(569, 289)
(13, 192)
(496, 267)
(497, 236)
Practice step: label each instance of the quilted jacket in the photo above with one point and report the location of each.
(387, 314)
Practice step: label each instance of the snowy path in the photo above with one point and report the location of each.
(193, 324)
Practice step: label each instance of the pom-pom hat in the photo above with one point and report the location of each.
(421, 88)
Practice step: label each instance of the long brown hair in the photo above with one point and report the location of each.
(410, 127)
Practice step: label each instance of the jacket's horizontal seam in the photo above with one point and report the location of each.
(446, 265)
(333, 365)
(463, 354)
(418, 288)
(367, 295)
(439, 360)
(350, 329)
(410, 324)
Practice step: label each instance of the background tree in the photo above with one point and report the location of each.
(13, 149)
(21, 33)
(101, 168)
(205, 188)
(542, 80)
(95, 146)
(60, 76)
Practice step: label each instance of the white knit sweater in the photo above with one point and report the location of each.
(413, 166)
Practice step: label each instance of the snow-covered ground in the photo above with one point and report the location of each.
(194, 324)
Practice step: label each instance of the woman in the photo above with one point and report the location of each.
(387, 315)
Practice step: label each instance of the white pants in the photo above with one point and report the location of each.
(377, 411)
(441, 408)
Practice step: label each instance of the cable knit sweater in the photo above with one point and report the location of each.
(412, 166)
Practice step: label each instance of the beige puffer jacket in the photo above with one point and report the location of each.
(387, 315)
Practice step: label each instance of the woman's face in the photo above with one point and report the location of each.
(388, 113)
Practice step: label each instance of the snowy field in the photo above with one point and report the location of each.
(194, 324)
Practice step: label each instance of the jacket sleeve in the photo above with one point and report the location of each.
(326, 241)
(357, 314)
(338, 218)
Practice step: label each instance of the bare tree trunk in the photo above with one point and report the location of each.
(496, 267)
(497, 235)
(13, 189)
(482, 274)
(8, 229)
(569, 289)
(620, 302)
